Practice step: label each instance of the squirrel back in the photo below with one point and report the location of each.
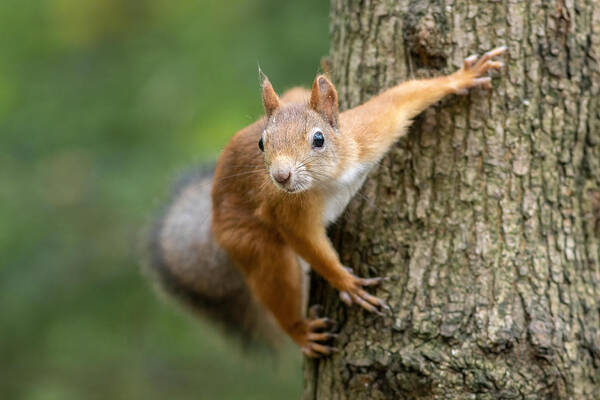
(191, 267)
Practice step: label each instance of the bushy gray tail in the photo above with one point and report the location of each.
(195, 270)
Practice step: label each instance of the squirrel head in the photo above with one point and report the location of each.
(300, 143)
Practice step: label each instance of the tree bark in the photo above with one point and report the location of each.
(486, 216)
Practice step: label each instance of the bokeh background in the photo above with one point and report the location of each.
(102, 104)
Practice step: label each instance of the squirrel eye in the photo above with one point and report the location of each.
(318, 139)
(260, 145)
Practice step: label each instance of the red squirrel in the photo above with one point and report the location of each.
(280, 181)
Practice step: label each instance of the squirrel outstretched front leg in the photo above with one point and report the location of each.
(378, 123)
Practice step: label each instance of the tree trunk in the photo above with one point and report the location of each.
(486, 217)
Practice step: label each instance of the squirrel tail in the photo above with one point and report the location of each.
(192, 268)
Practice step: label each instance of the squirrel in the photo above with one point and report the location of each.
(276, 186)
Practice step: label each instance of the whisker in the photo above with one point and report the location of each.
(246, 173)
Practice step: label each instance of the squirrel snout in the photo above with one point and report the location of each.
(281, 170)
(282, 175)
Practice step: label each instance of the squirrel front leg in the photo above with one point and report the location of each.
(378, 123)
(310, 241)
(275, 280)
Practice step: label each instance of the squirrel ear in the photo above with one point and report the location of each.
(324, 100)
(269, 97)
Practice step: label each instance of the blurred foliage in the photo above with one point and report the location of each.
(101, 103)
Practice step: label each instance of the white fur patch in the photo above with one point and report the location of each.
(341, 191)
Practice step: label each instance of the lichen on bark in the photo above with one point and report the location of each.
(486, 216)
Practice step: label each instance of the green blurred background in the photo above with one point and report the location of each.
(102, 103)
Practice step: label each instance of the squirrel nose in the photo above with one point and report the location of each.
(282, 176)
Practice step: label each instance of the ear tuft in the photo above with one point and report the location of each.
(324, 100)
(269, 97)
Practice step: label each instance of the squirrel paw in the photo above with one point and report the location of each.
(317, 330)
(470, 74)
(356, 295)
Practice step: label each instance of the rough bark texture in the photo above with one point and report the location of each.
(486, 216)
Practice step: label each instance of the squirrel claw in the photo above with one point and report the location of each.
(316, 350)
(356, 295)
(485, 82)
(317, 331)
(315, 323)
(320, 323)
(485, 63)
(345, 297)
(372, 281)
(473, 69)
(469, 61)
(321, 336)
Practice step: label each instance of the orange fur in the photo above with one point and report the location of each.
(264, 225)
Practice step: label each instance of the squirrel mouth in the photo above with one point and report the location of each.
(296, 189)
(284, 188)
(290, 187)
(290, 190)
(287, 189)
